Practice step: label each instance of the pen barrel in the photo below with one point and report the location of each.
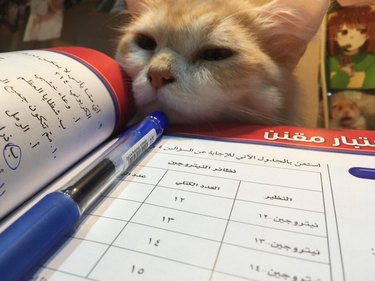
(92, 184)
(29, 239)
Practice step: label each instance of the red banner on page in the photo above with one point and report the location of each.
(358, 141)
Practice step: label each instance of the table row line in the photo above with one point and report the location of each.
(192, 209)
(243, 191)
(102, 262)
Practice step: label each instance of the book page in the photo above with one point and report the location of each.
(53, 111)
(198, 209)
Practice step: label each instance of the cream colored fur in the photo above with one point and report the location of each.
(255, 84)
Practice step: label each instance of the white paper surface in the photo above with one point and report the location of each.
(198, 209)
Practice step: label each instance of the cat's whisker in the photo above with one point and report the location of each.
(233, 15)
(256, 116)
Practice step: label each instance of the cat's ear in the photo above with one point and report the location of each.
(288, 27)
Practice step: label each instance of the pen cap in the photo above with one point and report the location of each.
(31, 238)
(156, 121)
(160, 118)
(112, 75)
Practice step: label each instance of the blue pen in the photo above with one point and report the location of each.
(363, 173)
(29, 240)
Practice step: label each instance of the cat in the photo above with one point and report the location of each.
(218, 60)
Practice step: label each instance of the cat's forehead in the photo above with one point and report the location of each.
(194, 23)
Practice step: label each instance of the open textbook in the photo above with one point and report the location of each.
(56, 105)
(221, 202)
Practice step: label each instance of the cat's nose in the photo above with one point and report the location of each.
(159, 77)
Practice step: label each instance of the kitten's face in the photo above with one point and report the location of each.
(206, 60)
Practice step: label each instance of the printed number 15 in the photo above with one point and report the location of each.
(137, 270)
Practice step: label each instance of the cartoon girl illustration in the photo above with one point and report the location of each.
(351, 46)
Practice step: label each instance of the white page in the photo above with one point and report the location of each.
(53, 111)
(197, 209)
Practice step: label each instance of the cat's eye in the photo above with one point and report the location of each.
(214, 54)
(145, 42)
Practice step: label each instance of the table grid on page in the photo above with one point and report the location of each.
(201, 211)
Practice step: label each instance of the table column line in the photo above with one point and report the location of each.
(111, 244)
(225, 230)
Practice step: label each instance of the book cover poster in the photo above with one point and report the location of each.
(45, 20)
(351, 66)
